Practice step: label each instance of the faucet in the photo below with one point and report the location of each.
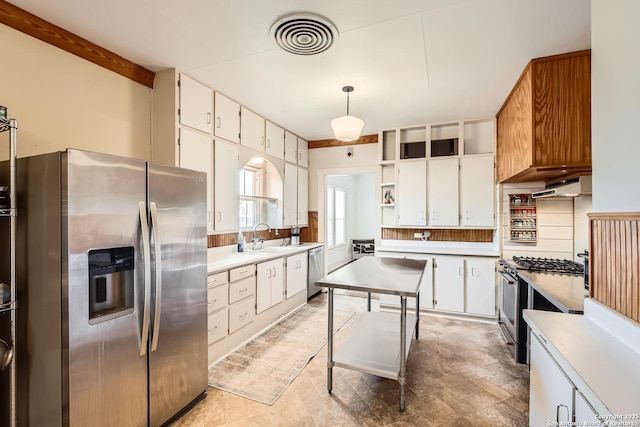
(261, 240)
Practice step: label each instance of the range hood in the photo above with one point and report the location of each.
(569, 188)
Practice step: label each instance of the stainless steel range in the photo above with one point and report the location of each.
(515, 296)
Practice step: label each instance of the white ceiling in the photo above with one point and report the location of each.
(410, 61)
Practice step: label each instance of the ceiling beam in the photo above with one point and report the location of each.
(30, 24)
(324, 143)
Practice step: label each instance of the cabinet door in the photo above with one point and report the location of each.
(411, 202)
(251, 130)
(584, 413)
(290, 196)
(290, 147)
(275, 140)
(227, 123)
(296, 274)
(448, 280)
(481, 286)
(303, 196)
(196, 104)
(303, 153)
(550, 392)
(226, 186)
(196, 153)
(263, 286)
(277, 281)
(477, 190)
(442, 192)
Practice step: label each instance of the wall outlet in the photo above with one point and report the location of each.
(417, 235)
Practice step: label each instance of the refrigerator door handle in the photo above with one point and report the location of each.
(158, 284)
(146, 250)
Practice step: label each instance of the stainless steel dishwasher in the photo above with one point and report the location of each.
(316, 271)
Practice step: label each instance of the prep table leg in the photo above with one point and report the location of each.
(330, 343)
(403, 348)
(417, 315)
(368, 301)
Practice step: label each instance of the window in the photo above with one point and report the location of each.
(336, 217)
(249, 186)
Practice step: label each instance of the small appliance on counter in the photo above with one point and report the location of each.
(295, 235)
(362, 247)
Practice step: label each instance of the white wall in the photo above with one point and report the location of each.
(61, 100)
(615, 104)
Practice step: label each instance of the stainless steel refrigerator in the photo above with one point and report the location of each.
(112, 273)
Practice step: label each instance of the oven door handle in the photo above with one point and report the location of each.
(508, 278)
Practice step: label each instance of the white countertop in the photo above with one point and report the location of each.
(597, 353)
(440, 248)
(227, 257)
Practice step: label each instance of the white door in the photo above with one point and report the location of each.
(303, 196)
(448, 280)
(550, 392)
(303, 153)
(290, 196)
(275, 140)
(251, 130)
(584, 413)
(227, 122)
(196, 153)
(477, 191)
(226, 186)
(297, 266)
(290, 147)
(442, 192)
(481, 286)
(411, 201)
(196, 104)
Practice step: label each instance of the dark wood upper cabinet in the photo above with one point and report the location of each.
(544, 126)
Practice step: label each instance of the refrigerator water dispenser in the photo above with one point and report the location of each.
(111, 287)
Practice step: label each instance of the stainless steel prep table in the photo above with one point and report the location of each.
(379, 345)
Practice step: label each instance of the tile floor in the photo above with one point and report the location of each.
(459, 373)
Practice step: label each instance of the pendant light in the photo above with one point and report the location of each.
(347, 128)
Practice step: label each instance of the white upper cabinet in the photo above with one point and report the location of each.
(442, 192)
(275, 140)
(303, 153)
(290, 195)
(227, 118)
(226, 186)
(477, 191)
(290, 147)
(196, 153)
(251, 130)
(411, 203)
(303, 196)
(196, 104)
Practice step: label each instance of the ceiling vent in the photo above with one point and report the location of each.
(304, 33)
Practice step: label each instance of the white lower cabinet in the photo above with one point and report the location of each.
(457, 284)
(297, 267)
(480, 286)
(448, 280)
(270, 284)
(553, 398)
(242, 283)
(217, 321)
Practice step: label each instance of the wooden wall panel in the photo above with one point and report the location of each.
(615, 261)
(439, 235)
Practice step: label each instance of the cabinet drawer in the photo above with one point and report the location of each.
(217, 325)
(241, 314)
(217, 279)
(241, 289)
(242, 272)
(216, 298)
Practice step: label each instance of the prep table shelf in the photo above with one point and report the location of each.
(374, 345)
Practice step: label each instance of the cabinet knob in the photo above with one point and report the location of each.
(218, 122)
(208, 118)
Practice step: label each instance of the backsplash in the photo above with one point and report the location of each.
(439, 234)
